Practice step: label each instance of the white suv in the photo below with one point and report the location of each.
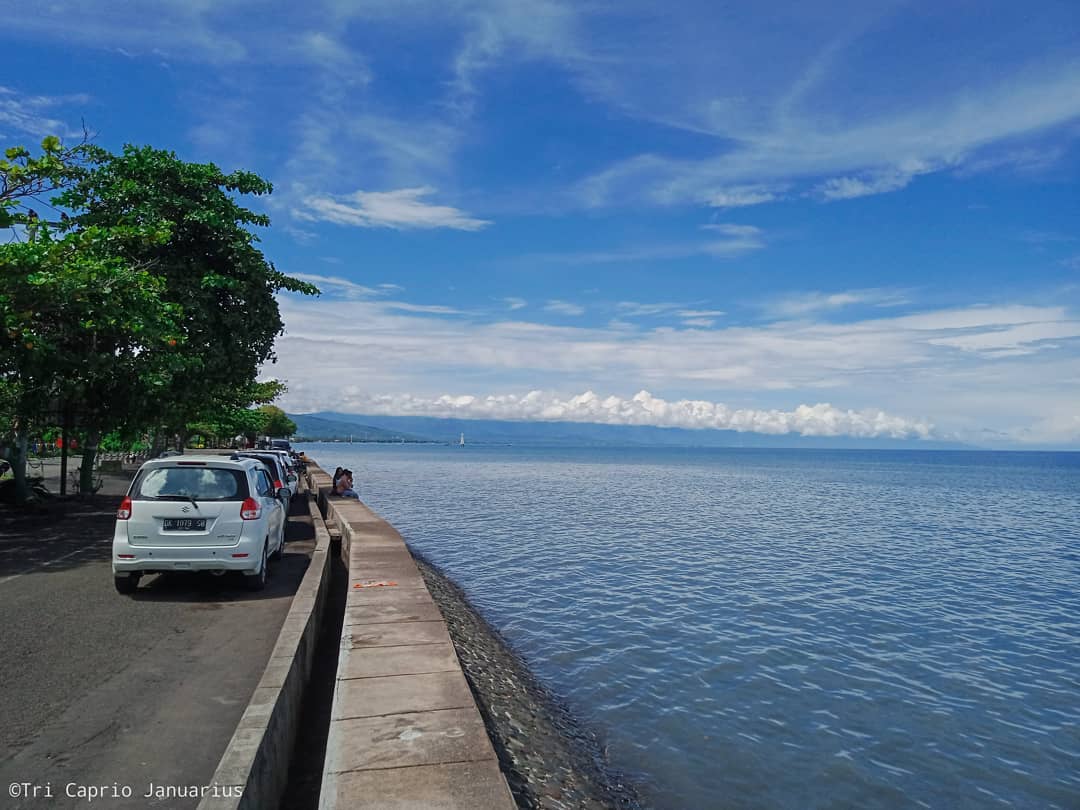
(198, 513)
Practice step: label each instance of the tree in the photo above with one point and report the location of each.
(277, 423)
(210, 264)
(78, 323)
(150, 304)
(73, 314)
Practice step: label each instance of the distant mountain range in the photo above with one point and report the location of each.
(330, 426)
(344, 427)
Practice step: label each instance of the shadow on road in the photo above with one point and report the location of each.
(199, 586)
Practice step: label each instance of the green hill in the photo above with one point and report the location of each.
(317, 428)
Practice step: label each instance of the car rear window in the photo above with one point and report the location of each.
(269, 461)
(200, 483)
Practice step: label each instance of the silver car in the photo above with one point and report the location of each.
(198, 513)
(286, 481)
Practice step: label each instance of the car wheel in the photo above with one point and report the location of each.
(126, 583)
(257, 581)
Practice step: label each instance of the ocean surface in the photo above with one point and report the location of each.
(775, 628)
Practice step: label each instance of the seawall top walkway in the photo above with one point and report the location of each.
(404, 730)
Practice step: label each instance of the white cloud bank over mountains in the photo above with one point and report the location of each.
(644, 409)
(1007, 374)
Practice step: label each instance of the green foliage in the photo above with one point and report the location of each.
(208, 260)
(151, 305)
(23, 176)
(277, 423)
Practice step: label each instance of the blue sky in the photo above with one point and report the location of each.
(847, 218)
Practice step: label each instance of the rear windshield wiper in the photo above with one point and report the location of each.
(189, 498)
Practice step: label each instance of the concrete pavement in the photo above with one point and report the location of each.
(125, 693)
(404, 730)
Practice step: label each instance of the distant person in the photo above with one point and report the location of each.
(337, 475)
(344, 486)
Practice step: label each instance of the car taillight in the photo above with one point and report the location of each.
(250, 509)
(124, 512)
(277, 485)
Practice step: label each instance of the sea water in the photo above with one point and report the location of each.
(775, 628)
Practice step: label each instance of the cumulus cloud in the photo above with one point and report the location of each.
(967, 369)
(643, 408)
(402, 209)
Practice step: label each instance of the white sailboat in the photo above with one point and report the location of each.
(461, 441)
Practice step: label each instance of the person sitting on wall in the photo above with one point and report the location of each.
(344, 486)
(337, 475)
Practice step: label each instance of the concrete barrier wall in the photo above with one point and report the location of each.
(404, 729)
(259, 753)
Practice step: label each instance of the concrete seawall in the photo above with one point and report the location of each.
(405, 730)
(257, 758)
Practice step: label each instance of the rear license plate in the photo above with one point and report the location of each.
(184, 524)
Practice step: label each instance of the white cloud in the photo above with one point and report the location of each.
(881, 182)
(1026, 338)
(402, 209)
(954, 366)
(564, 308)
(742, 240)
(401, 149)
(801, 304)
(644, 409)
(430, 309)
(329, 53)
(766, 146)
(700, 313)
(180, 29)
(515, 303)
(633, 309)
(33, 114)
(741, 196)
(731, 229)
(339, 285)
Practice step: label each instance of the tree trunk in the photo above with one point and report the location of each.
(86, 474)
(18, 463)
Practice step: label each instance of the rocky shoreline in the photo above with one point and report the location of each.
(549, 761)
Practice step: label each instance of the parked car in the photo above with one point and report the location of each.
(285, 480)
(289, 459)
(198, 513)
(280, 444)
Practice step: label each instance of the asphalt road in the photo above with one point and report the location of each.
(102, 692)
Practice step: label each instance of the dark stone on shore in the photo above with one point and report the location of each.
(549, 760)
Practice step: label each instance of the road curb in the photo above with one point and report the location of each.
(257, 757)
